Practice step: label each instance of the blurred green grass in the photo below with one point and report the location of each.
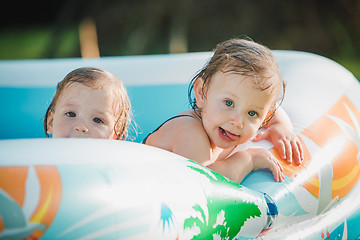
(23, 43)
(33, 43)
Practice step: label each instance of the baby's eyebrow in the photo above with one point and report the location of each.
(103, 114)
(258, 108)
(70, 104)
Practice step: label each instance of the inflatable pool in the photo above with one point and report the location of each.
(106, 189)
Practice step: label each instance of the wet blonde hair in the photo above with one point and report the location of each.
(247, 58)
(98, 79)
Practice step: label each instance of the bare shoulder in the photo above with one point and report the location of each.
(187, 119)
(187, 128)
(184, 136)
(181, 128)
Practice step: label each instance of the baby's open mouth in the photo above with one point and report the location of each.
(227, 136)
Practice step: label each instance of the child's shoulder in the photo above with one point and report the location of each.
(188, 120)
(187, 136)
(185, 124)
(180, 130)
(189, 128)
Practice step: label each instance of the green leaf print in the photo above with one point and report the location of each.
(226, 215)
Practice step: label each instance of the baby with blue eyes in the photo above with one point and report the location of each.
(238, 92)
(89, 103)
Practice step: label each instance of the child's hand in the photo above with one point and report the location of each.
(285, 141)
(262, 158)
(240, 163)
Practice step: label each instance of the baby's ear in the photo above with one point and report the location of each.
(50, 121)
(199, 92)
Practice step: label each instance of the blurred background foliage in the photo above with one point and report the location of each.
(52, 29)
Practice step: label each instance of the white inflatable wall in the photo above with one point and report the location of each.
(71, 188)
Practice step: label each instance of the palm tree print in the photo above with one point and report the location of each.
(224, 216)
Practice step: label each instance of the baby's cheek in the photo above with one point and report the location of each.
(61, 129)
(252, 131)
(109, 133)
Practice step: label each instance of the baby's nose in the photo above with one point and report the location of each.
(81, 128)
(237, 120)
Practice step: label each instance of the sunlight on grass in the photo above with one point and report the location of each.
(70, 45)
(32, 43)
(23, 43)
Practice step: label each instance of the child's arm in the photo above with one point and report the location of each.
(188, 139)
(241, 163)
(237, 165)
(279, 131)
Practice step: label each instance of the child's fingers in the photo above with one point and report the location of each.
(280, 146)
(296, 152)
(276, 169)
(264, 159)
(281, 177)
(288, 151)
(300, 150)
(281, 169)
(261, 136)
(278, 175)
(280, 166)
